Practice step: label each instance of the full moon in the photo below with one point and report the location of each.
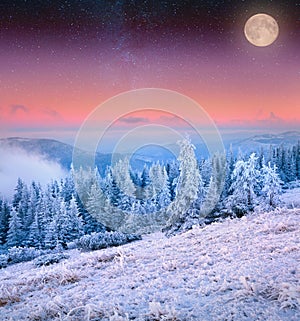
(261, 30)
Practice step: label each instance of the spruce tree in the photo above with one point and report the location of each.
(271, 183)
(4, 220)
(15, 229)
(187, 188)
(244, 187)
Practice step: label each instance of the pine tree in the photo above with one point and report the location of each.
(229, 171)
(187, 188)
(90, 224)
(35, 236)
(142, 190)
(164, 197)
(216, 184)
(76, 223)
(18, 194)
(51, 235)
(15, 229)
(68, 188)
(271, 183)
(4, 220)
(245, 182)
(172, 169)
(28, 217)
(121, 175)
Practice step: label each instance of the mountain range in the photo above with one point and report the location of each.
(62, 153)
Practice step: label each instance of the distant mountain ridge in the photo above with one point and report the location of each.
(53, 150)
(62, 153)
(256, 142)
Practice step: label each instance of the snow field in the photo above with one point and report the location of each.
(241, 269)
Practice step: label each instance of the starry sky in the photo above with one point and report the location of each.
(61, 59)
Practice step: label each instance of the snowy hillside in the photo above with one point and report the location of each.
(291, 198)
(52, 150)
(241, 269)
(263, 141)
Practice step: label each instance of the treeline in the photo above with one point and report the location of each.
(187, 192)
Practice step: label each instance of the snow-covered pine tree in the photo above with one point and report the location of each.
(142, 190)
(51, 235)
(205, 167)
(159, 189)
(121, 173)
(28, 217)
(216, 185)
(164, 197)
(245, 180)
(18, 193)
(76, 226)
(14, 237)
(271, 183)
(111, 189)
(96, 201)
(68, 226)
(229, 170)
(34, 238)
(4, 220)
(194, 212)
(68, 187)
(172, 169)
(156, 178)
(187, 188)
(290, 166)
(123, 183)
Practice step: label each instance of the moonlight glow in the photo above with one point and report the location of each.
(261, 30)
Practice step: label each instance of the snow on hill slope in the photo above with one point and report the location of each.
(291, 198)
(241, 269)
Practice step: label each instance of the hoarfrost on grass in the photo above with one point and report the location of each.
(240, 269)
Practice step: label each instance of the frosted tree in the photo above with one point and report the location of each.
(83, 181)
(51, 235)
(68, 224)
(18, 193)
(164, 196)
(172, 169)
(187, 188)
(142, 189)
(195, 210)
(76, 223)
(156, 176)
(290, 166)
(96, 201)
(205, 167)
(245, 182)
(159, 189)
(271, 183)
(14, 237)
(68, 187)
(119, 185)
(229, 171)
(27, 218)
(111, 189)
(35, 238)
(216, 184)
(121, 174)
(4, 220)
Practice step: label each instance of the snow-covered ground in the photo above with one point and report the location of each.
(291, 197)
(241, 269)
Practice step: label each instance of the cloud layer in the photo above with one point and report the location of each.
(15, 163)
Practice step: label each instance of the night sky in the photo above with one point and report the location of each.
(61, 59)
